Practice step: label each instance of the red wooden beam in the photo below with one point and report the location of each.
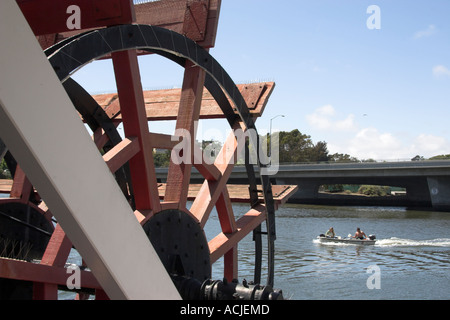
(224, 242)
(39, 273)
(188, 113)
(143, 175)
(50, 16)
(121, 153)
(21, 187)
(56, 255)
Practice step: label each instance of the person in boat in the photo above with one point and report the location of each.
(330, 233)
(360, 234)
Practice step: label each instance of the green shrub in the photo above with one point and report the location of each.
(369, 190)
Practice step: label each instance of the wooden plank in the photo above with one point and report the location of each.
(195, 20)
(176, 15)
(5, 185)
(164, 104)
(239, 193)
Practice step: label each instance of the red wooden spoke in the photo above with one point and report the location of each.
(121, 153)
(188, 114)
(211, 190)
(214, 193)
(224, 242)
(230, 263)
(228, 224)
(21, 187)
(56, 255)
(225, 212)
(142, 168)
(208, 171)
(163, 141)
(100, 137)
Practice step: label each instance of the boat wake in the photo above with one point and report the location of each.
(398, 242)
(337, 244)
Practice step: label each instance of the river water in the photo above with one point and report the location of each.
(410, 260)
(411, 256)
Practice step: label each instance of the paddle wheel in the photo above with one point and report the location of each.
(34, 248)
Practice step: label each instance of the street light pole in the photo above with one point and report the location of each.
(270, 130)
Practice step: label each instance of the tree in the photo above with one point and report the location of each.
(441, 157)
(340, 157)
(297, 147)
(4, 171)
(294, 146)
(319, 152)
(161, 159)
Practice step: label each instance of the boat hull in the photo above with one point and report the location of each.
(347, 241)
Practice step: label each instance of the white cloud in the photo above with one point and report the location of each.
(324, 118)
(431, 30)
(441, 70)
(371, 143)
(431, 145)
(344, 135)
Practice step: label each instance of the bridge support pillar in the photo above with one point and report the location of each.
(308, 190)
(439, 188)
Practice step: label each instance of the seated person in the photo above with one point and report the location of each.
(330, 233)
(360, 234)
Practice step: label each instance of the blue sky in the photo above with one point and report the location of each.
(381, 94)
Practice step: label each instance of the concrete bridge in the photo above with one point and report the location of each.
(427, 183)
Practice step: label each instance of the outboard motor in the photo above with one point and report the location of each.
(372, 237)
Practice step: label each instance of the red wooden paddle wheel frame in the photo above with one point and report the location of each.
(182, 19)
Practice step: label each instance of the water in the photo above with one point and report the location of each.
(412, 253)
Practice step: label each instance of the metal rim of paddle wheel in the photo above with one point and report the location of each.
(164, 221)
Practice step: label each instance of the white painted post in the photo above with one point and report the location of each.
(41, 128)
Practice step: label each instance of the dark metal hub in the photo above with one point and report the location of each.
(180, 243)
